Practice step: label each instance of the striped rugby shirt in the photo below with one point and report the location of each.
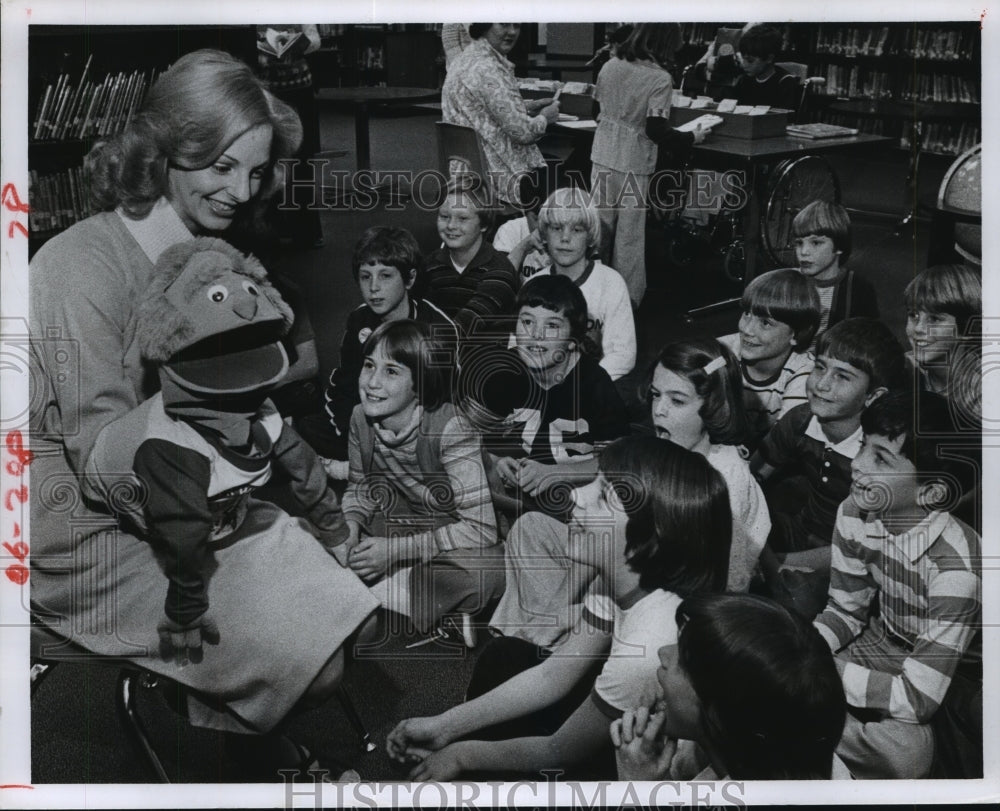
(928, 582)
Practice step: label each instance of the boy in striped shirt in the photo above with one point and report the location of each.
(923, 565)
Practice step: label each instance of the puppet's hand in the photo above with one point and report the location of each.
(183, 643)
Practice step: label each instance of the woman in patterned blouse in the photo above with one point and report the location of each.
(481, 92)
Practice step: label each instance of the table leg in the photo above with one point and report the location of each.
(361, 121)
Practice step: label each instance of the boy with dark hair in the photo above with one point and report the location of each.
(892, 541)
(822, 235)
(763, 82)
(386, 266)
(811, 447)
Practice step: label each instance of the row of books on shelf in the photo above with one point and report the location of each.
(855, 82)
(947, 138)
(945, 44)
(85, 108)
(939, 87)
(950, 44)
(850, 41)
(372, 58)
(56, 200)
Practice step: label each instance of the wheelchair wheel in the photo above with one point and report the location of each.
(796, 183)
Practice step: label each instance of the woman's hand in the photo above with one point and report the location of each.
(183, 643)
(534, 106)
(370, 558)
(439, 766)
(700, 133)
(550, 111)
(640, 753)
(415, 738)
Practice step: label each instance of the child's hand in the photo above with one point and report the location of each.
(415, 738)
(439, 766)
(183, 643)
(533, 477)
(508, 469)
(370, 558)
(640, 753)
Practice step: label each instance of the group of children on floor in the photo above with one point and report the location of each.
(491, 475)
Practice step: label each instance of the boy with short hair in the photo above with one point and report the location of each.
(780, 313)
(569, 225)
(812, 447)
(386, 266)
(763, 82)
(822, 234)
(923, 565)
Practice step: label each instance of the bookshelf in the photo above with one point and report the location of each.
(905, 80)
(898, 78)
(379, 55)
(84, 83)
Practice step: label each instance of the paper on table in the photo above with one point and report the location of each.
(708, 120)
(580, 124)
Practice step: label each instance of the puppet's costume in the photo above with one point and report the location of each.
(184, 464)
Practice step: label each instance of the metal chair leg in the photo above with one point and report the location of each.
(352, 715)
(125, 690)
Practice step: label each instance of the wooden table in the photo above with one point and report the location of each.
(362, 99)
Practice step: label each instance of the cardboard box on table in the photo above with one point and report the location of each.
(736, 125)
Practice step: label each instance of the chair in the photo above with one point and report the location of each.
(48, 649)
(461, 152)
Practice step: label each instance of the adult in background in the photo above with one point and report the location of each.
(481, 92)
(635, 91)
(289, 78)
(199, 156)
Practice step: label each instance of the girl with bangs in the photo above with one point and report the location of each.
(780, 317)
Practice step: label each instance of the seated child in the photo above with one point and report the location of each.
(779, 320)
(811, 447)
(943, 311)
(386, 265)
(696, 397)
(752, 684)
(942, 304)
(654, 525)
(822, 233)
(893, 542)
(763, 82)
(546, 438)
(571, 229)
(466, 277)
(422, 531)
(209, 438)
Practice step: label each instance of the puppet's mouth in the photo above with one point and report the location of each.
(236, 361)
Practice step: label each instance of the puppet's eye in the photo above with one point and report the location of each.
(218, 293)
(251, 288)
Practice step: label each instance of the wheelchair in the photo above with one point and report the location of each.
(790, 186)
